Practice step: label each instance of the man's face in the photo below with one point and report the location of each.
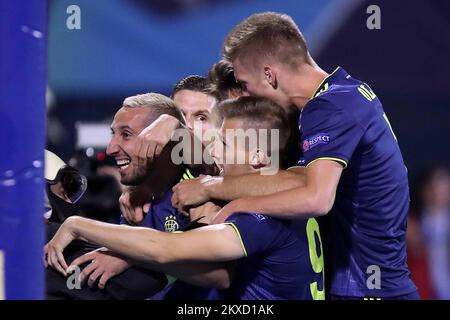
(226, 152)
(197, 108)
(255, 83)
(126, 126)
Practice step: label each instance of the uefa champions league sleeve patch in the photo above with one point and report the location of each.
(315, 140)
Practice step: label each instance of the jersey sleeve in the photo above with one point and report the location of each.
(257, 233)
(329, 132)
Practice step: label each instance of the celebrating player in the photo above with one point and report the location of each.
(353, 165)
(285, 263)
(130, 281)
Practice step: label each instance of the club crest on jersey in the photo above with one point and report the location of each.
(315, 140)
(171, 224)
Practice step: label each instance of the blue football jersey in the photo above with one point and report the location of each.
(284, 259)
(345, 122)
(162, 216)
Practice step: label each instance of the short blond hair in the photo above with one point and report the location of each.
(269, 33)
(160, 104)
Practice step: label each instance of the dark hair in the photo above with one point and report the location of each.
(271, 34)
(72, 182)
(193, 83)
(159, 103)
(221, 80)
(258, 113)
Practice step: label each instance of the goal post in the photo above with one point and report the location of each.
(23, 72)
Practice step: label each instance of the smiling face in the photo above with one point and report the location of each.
(255, 81)
(126, 126)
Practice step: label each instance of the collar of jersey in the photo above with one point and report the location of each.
(323, 81)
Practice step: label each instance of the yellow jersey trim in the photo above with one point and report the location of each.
(189, 174)
(293, 167)
(320, 86)
(329, 158)
(239, 235)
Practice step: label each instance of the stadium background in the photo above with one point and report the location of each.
(125, 47)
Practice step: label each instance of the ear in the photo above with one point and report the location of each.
(259, 159)
(271, 76)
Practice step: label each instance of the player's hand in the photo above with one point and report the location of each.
(134, 204)
(103, 266)
(153, 139)
(53, 250)
(207, 210)
(194, 192)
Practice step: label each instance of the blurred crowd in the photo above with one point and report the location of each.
(428, 235)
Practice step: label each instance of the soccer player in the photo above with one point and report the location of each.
(192, 95)
(221, 84)
(351, 169)
(137, 283)
(224, 85)
(278, 259)
(197, 103)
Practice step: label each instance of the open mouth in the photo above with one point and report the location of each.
(123, 164)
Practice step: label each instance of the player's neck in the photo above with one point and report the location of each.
(305, 83)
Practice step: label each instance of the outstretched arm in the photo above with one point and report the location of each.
(103, 264)
(314, 199)
(197, 191)
(203, 274)
(207, 244)
(234, 187)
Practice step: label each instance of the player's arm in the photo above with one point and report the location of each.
(197, 191)
(234, 187)
(152, 140)
(207, 244)
(331, 134)
(313, 199)
(203, 274)
(104, 264)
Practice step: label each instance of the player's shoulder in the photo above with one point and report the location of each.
(254, 224)
(249, 216)
(255, 221)
(341, 92)
(341, 98)
(251, 219)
